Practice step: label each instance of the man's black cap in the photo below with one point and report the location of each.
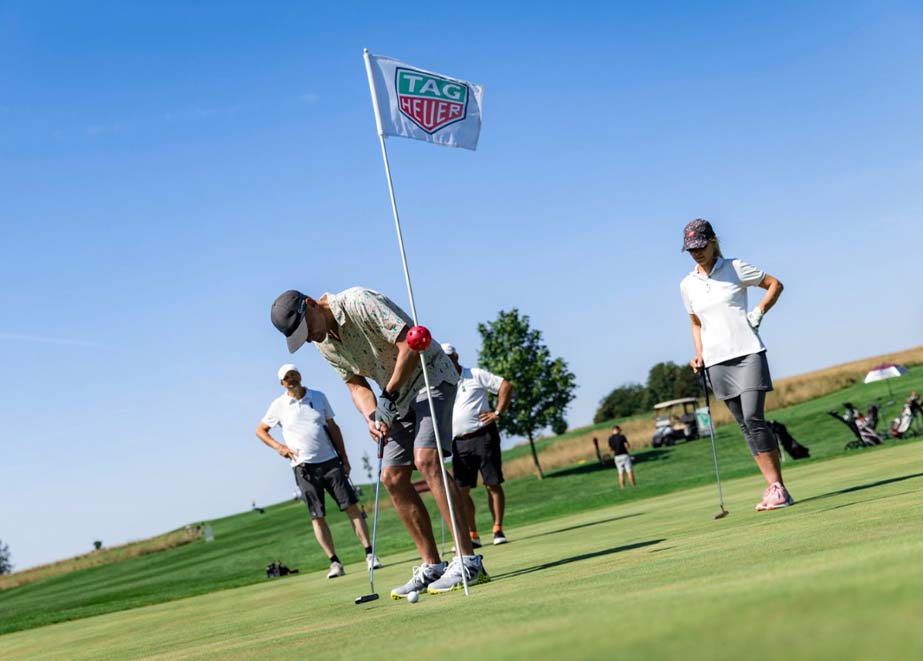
(289, 318)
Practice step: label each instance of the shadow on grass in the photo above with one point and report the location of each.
(862, 487)
(659, 454)
(582, 525)
(654, 454)
(865, 502)
(577, 558)
(580, 469)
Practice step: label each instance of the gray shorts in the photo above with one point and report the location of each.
(623, 462)
(732, 377)
(416, 429)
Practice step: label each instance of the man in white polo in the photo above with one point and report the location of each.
(476, 441)
(314, 446)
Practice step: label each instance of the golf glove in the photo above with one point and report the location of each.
(386, 409)
(755, 316)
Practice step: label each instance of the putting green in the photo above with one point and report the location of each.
(838, 576)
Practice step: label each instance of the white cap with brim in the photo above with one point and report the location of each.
(449, 349)
(285, 369)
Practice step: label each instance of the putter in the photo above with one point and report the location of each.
(372, 595)
(714, 453)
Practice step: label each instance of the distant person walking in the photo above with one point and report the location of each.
(362, 334)
(728, 346)
(619, 445)
(476, 441)
(314, 446)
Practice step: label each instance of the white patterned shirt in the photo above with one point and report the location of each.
(369, 325)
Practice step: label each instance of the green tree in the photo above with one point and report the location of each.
(623, 401)
(671, 381)
(6, 562)
(542, 386)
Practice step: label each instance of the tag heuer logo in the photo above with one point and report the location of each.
(429, 101)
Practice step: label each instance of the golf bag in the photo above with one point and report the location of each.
(902, 426)
(871, 416)
(794, 449)
(604, 460)
(866, 435)
(275, 569)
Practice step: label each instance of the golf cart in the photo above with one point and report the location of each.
(674, 421)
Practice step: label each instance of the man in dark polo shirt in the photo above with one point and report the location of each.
(619, 445)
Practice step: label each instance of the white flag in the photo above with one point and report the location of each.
(413, 103)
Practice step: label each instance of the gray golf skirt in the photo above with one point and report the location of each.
(737, 375)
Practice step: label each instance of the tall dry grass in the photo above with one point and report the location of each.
(788, 391)
(103, 556)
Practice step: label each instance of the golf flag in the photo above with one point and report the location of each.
(410, 102)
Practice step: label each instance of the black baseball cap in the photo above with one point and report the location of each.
(289, 318)
(697, 233)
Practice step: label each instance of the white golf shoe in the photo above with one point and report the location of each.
(419, 579)
(474, 570)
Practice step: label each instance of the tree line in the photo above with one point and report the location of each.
(665, 381)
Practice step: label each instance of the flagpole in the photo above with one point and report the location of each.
(413, 312)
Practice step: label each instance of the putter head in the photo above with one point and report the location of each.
(720, 515)
(365, 598)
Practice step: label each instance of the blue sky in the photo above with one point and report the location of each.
(167, 168)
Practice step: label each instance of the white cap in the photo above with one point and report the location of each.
(449, 349)
(285, 369)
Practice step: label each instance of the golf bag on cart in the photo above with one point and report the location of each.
(794, 449)
(902, 426)
(858, 424)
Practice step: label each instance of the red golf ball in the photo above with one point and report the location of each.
(418, 338)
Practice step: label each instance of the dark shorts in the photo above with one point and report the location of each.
(478, 453)
(314, 479)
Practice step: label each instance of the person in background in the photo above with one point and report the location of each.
(314, 447)
(619, 445)
(476, 441)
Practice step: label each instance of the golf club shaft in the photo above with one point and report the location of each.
(711, 433)
(381, 443)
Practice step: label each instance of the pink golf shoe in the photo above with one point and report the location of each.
(774, 497)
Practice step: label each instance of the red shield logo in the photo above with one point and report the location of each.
(431, 102)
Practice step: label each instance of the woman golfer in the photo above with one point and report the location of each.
(728, 346)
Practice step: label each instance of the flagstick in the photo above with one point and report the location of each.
(413, 311)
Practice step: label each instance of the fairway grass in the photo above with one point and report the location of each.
(837, 576)
(246, 542)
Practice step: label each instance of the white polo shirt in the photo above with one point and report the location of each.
(719, 300)
(471, 398)
(302, 421)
